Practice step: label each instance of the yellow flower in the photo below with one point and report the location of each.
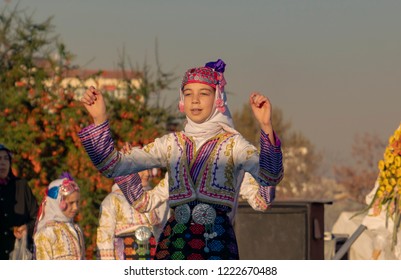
(390, 158)
(389, 188)
(397, 134)
(381, 165)
(389, 179)
(397, 161)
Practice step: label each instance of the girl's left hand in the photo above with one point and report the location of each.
(262, 109)
(20, 231)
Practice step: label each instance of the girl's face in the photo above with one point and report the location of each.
(198, 101)
(72, 202)
(4, 164)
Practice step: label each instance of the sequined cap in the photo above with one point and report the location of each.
(211, 74)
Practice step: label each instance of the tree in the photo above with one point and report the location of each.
(299, 156)
(359, 178)
(22, 42)
(40, 119)
(139, 117)
(246, 123)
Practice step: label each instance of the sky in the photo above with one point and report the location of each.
(332, 66)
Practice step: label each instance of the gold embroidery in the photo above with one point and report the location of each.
(209, 168)
(183, 181)
(169, 148)
(215, 179)
(148, 147)
(250, 153)
(229, 174)
(229, 148)
(65, 246)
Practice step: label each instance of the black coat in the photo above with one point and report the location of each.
(18, 206)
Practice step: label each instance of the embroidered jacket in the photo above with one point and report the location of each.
(59, 241)
(212, 174)
(119, 218)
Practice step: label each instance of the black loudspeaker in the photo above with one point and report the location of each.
(290, 230)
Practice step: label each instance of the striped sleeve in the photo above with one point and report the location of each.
(130, 186)
(258, 197)
(99, 145)
(270, 161)
(268, 193)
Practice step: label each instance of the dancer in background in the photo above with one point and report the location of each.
(123, 232)
(57, 236)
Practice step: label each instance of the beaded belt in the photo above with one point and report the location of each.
(202, 214)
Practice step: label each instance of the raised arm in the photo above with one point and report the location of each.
(262, 110)
(94, 103)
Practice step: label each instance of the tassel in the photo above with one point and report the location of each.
(220, 104)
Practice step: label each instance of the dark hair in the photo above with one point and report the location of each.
(10, 155)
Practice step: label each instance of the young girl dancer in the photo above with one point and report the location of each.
(206, 163)
(57, 236)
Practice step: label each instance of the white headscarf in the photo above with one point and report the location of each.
(216, 123)
(50, 207)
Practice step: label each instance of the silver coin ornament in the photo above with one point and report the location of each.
(143, 234)
(203, 214)
(182, 213)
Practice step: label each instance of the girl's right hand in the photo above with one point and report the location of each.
(126, 150)
(94, 102)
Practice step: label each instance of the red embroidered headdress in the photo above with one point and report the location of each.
(212, 75)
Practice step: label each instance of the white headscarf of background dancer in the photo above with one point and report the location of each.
(54, 204)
